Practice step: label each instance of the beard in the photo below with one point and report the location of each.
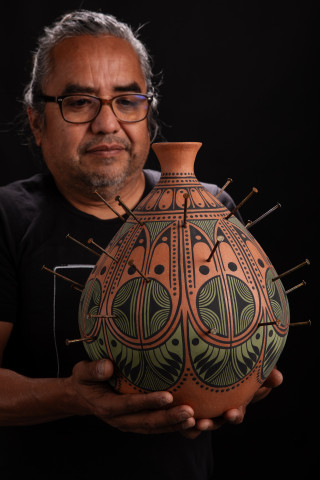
(93, 180)
(111, 175)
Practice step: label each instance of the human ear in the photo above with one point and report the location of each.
(36, 125)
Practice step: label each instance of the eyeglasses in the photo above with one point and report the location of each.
(130, 108)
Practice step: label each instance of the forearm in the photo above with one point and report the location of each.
(27, 401)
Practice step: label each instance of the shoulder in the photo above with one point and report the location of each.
(152, 176)
(28, 187)
(22, 201)
(26, 192)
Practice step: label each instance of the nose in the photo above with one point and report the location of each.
(105, 121)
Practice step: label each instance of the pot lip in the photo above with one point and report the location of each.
(176, 143)
(176, 146)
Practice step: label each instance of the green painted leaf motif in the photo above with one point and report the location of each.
(97, 348)
(156, 308)
(278, 305)
(209, 361)
(128, 360)
(157, 369)
(274, 346)
(207, 226)
(243, 306)
(163, 365)
(275, 340)
(223, 367)
(155, 311)
(211, 306)
(245, 357)
(124, 307)
(155, 228)
(92, 297)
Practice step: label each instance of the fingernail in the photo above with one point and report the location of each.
(100, 368)
(233, 418)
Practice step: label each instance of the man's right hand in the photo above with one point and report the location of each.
(140, 413)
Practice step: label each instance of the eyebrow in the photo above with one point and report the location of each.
(77, 88)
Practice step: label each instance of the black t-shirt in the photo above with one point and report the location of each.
(34, 221)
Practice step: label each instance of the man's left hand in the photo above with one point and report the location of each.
(235, 416)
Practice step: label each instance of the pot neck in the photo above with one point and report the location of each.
(176, 157)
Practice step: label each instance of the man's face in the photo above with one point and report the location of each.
(104, 152)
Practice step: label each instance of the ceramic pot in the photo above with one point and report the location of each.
(209, 330)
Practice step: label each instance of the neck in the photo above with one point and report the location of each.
(85, 200)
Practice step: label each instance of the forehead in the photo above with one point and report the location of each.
(96, 62)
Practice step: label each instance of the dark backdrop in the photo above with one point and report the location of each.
(239, 77)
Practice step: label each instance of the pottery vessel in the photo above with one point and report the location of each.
(209, 330)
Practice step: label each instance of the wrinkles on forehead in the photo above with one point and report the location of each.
(86, 64)
(72, 88)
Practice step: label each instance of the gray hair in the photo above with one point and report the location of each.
(84, 22)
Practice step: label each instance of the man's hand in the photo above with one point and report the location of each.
(151, 412)
(139, 413)
(235, 416)
(274, 380)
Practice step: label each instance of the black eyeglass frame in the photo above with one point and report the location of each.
(103, 101)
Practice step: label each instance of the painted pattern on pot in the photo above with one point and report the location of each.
(209, 329)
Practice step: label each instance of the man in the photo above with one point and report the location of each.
(91, 108)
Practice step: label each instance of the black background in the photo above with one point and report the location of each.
(238, 76)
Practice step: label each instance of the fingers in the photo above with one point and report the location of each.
(140, 413)
(151, 412)
(119, 404)
(97, 371)
(91, 378)
(206, 424)
(158, 421)
(191, 433)
(235, 416)
(274, 379)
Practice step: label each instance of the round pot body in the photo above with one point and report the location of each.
(171, 315)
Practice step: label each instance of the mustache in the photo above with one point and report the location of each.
(110, 138)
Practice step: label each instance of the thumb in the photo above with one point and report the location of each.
(96, 371)
(274, 379)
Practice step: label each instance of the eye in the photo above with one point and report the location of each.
(78, 102)
(129, 102)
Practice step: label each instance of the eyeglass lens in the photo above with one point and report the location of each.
(84, 108)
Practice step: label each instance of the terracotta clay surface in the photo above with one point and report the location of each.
(209, 330)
